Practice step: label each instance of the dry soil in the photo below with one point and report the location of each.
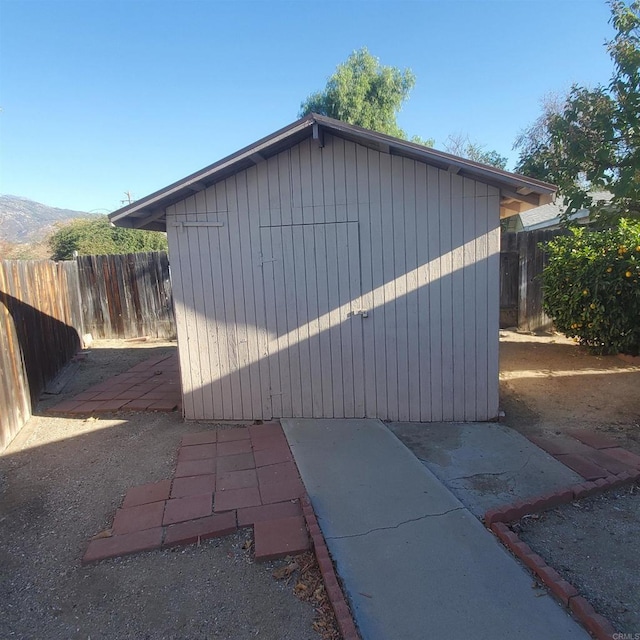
(61, 481)
(593, 543)
(548, 384)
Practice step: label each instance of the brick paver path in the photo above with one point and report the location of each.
(588, 453)
(224, 479)
(152, 385)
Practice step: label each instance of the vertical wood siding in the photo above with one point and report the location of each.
(272, 267)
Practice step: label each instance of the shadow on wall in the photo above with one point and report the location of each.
(34, 346)
(424, 351)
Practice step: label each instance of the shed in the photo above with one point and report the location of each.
(332, 271)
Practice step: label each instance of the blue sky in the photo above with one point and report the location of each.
(99, 98)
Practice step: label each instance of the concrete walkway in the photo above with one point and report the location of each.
(414, 561)
(484, 464)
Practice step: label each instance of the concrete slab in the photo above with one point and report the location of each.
(484, 464)
(414, 561)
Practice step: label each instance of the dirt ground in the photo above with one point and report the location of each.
(550, 384)
(61, 481)
(604, 529)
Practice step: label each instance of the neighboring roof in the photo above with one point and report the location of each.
(519, 193)
(550, 215)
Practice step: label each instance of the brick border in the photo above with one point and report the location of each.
(339, 604)
(516, 510)
(496, 520)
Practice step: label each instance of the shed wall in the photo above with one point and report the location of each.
(260, 265)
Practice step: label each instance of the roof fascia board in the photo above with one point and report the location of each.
(200, 176)
(440, 158)
(527, 190)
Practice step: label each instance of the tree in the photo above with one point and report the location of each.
(97, 236)
(461, 145)
(365, 93)
(425, 142)
(537, 136)
(591, 287)
(591, 141)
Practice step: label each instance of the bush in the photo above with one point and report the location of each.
(591, 287)
(94, 236)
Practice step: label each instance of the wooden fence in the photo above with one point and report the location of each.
(521, 264)
(127, 296)
(46, 307)
(40, 329)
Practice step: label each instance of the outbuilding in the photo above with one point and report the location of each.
(332, 271)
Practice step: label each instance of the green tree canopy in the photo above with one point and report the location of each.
(365, 93)
(463, 146)
(97, 236)
(590, 142)
(591, 287)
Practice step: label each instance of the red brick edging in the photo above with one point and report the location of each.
(334, 592)
(565, 592)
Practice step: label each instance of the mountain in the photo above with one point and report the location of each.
(24, 221)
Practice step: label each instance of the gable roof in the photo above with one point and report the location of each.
(518, 193)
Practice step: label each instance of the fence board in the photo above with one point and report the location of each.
(509, 280)
(40, 329)
(127, 296)
(45, 308)
(521, 264)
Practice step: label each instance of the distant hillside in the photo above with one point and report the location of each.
(25, 221)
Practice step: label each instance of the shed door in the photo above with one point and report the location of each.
(311, 275)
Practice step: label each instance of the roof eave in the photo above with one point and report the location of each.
(200, 180)
(518, 193)
(453, 163)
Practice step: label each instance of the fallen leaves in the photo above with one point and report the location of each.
(107, 533)
(309, 587)
(286, 571)
(247, 544)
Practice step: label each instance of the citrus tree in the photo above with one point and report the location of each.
(591, 287)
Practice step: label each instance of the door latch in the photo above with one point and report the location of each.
(362, 312)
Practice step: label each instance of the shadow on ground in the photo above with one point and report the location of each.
(61, 480)
(548, 384)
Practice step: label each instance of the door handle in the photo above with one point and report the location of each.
(362, 312)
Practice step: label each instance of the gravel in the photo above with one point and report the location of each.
(550, 385)
(593, 543)
(61, 481)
